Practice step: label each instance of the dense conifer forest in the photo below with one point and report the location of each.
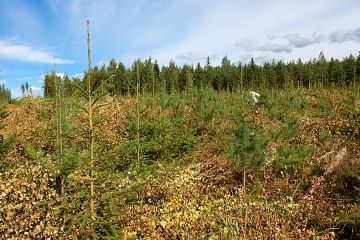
(315, 73)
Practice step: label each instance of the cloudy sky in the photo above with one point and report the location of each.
(34, 32)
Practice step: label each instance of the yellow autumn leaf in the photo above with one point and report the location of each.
(163, 223)
(153, 224)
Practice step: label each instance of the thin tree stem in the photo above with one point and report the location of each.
(138, 112)
(244, 183)
(59, 128)
(91, 129)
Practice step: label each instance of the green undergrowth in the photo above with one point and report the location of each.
(196, 151)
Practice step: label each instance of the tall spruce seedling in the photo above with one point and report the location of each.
(91, 127)
(90, 94)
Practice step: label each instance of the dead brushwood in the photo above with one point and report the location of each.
(331, 168)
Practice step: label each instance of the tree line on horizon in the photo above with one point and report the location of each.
(117, 79)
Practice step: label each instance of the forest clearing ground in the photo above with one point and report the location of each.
(195, 195)
(202, 199)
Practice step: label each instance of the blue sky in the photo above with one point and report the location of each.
(33, 32)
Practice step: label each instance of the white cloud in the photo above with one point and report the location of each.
(24, 53)
(299, 41)
(266, 47)
(246, 44)
(342, 35)
(269, 35)
(194, 55)
(284, 43)
(275, 47)
(2, 81)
